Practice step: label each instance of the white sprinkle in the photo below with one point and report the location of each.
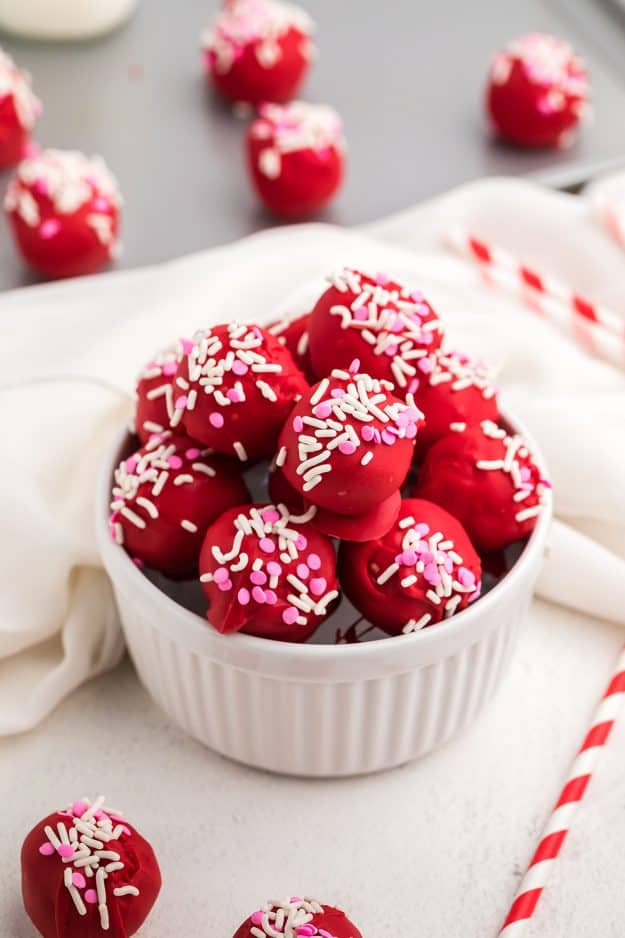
(458, 426)
(406, 523)
(528, 513)
(240, 450)
(387, 574)
(366, 459)
(126, 891)
(281, 457)
(189, 526)
(414, 625)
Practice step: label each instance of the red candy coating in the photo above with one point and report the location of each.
(537, 92)
(423, 570)
(164, 498)
(19, 109)
(48, 901)
(293, 333)
(347, 445)
(487, 479)
(155, 394)
(313, 920)
(258, 50)
(64, 211)
(296, 157)
(453, 392)
(267, 573)
(238, 384)
(386, 326)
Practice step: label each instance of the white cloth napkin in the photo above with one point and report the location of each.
(69, 353)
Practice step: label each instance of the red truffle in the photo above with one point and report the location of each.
(258, 50)
(268, 572)
(488, 479)
(164, 498)
(236, 387)
(537, 92)
(453, 392)
(293, 333)
(296, 157)
(386, 325)
(87, 873)
(423, 570)
(64, 211)
(348, 444)
(155, 393)
(19, 109)
(298, 917)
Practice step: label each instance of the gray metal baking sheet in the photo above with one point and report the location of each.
(407, 76)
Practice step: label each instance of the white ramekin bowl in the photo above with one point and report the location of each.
(318, 710)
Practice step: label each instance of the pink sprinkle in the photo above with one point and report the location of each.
(181, 402)
(390, 351)
(413, 386)
(49, 228)
(270, 598)
(306, 931)
(258, 578)
(91, 896)
(301, 542)
(65, 850)
(417, 297)
(323, 410)
(220, 575)
(361, 314)
(154, 436)
(347, 447)
(258, 594)
(273, 568)
(266, 545)
(40, 186)
(431, 574)
(388, 437)
(270, 515)
(101, 204)
(298, 424)
(323, 933)
(337, 392)
(243, 596)
(525, 473)
(79, 880)
(174, 462)
(131, 464)
(290, 614)
(318, 585)
(187, 346)
(354, 368)
(411, 431)
(192, 453)
(169, 369)
(422, 529)
(408, 558)
(138, 563)
(314, 561)
(257, 918)
(426, 338)
(367, 433)
(466, 577)
(234, 396)
(381, 280)
(239, 368)
(79, 808)
(225, 585)
(302, 571)
(46, 849)
(425, 365)
(216, 420)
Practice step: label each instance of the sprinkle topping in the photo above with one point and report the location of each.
(269, 561)
(516, 461)
(289, 918)
(164, 365)
(548, 62)
(393, 321)
(84, 841)
(260, 23)
(294, 127)
(16, 83)
(351, 415)
(458, 371)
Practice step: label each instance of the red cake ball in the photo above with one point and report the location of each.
(268, 572)
(296, 157)
(384, 324)
(422, 571)
(87, 872)
(297, 918)
(489, 480)
(537, 92)
(258, 50)
(293, 333)
(453, 392)
(346, 448)
(19, 109)
(164, 498)
(237, 386)
(155, 394)
(64, 211)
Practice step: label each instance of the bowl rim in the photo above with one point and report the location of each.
(460, 628)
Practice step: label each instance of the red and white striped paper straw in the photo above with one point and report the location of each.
(598, 329)
(562, 816)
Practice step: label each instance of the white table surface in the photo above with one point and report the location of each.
(430, 850)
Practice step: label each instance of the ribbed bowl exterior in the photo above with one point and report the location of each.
(319, 710)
